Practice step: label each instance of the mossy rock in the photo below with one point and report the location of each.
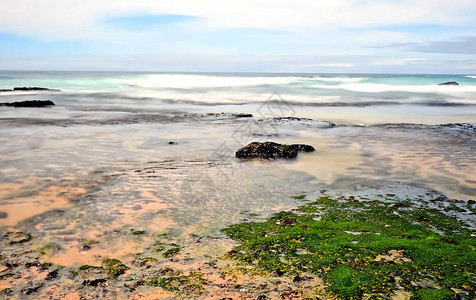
(172, 251)
(361, 247)
(185, 284)
(114, 266)
(88, 267)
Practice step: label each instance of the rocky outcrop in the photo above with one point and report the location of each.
(29, 89)
(29, 103)
(271, 150)
(449, 83)
(34, 88)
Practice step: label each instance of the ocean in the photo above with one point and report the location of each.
(124, 152)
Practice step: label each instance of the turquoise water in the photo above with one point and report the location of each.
(242, 88)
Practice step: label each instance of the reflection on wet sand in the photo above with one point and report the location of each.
(330, 162)
(21, 201)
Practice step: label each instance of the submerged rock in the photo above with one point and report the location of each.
(271, 150)
(29, 103)
(449, 83)
(32, 288)
(17, 237)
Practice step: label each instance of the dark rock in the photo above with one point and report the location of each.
(449, 83)
(3, 215)
(6, 275)
(17, 237)
(32, 289)
(51, 275)
(271, 150)
(232, 252)
(6, 291)
(280, 272)
(24, 88)
(172, 143)
(243, 115)
(298, 278)
(302, 147)
(290, 221)
(29, 103)
(95, 282)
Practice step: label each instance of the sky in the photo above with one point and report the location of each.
(305, 36)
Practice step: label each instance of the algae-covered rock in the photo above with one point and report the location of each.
(360, 247)
(271, 150)
(114, 266)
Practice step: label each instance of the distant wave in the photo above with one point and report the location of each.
(337, 79)
(143, 101)
(185, 81)
(474, 77)
(379, 88)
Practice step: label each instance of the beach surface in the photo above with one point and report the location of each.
(141, 168)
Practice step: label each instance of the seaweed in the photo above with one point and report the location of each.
(172, 251)
(358, 248)
(114, 266)
(184, 284)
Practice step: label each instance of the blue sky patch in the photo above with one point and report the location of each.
(15, 45)
(415, 28)
(146, 21)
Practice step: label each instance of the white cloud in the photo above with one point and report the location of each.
(396, 61)
(333, 65)
(60, 19)
(468, 67)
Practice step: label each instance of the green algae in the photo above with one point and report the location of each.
(49, 248)
(184, 284)
(359, 248)
(114, 266)
(88, 267)
(172, 251)
(137, 232)
(440, 294)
